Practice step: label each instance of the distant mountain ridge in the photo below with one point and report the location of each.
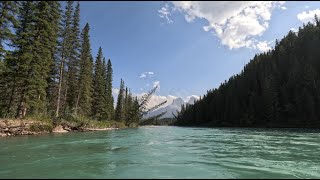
(172, 108)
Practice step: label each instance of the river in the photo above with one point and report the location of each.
(163, 152)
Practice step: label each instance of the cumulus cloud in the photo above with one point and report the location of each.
(263, 46)
(146, 74)
(235, 23)
(308, 16)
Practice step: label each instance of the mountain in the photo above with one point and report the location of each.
(172, 108)
(192, 99)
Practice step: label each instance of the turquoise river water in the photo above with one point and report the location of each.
(163, 152)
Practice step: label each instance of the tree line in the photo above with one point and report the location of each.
(278, 88)
(46, 66)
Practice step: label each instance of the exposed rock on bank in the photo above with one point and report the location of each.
(59, 129)
(17, 127)
(9, 127)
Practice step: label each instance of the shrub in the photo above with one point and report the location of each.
(38, 127)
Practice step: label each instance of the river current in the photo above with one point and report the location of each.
(164, 152)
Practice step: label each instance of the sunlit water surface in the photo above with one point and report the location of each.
(164, 152)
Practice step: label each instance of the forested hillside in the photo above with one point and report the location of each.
(278, 88)
(47, 68)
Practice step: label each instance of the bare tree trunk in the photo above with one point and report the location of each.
(65, 99)
(11, 97)
(59, 89)
(77, 102)
(22, 110)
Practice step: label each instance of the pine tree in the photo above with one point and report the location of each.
(125, 104)
(106, 114)
(129, 107)
(98, 103)
(17, 62)
(8, 21)
(84, 97)
(64, 54)
(39, 24)
(278, 88)
(51, 91)
(73, 63)
(119, 107)
(109, 96)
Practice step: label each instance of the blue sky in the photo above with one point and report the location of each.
(180, 44)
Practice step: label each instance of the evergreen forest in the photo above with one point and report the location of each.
(278, 88)
(47, 67)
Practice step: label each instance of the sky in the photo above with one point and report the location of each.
(186, 48)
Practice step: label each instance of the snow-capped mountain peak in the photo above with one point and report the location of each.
(177, 102)
(173, 107)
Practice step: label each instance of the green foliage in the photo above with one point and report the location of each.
(39, 117)
(49, 76)
(8, 21)
(73, 61)
(278, 88)
(41, 123)
(28, 66)
(57, 90)
(99, 107)
(85, 122)
(109, 97)
(84, 97)
(38, 127)
(119, 108)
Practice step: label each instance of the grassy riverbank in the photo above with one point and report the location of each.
(42, 125)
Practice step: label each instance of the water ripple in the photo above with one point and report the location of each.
(164, 152)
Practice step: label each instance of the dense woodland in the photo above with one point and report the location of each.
(46, 66)
(278, 88)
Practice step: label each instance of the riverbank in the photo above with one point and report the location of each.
(18, 127)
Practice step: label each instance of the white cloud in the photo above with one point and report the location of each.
(115, 91)
(164, 12)
(294, 29)
(145, 74)
(308, 16)
(234, 23)
(156, 83)
(306, 7)
(283, 8)
(263, 46)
